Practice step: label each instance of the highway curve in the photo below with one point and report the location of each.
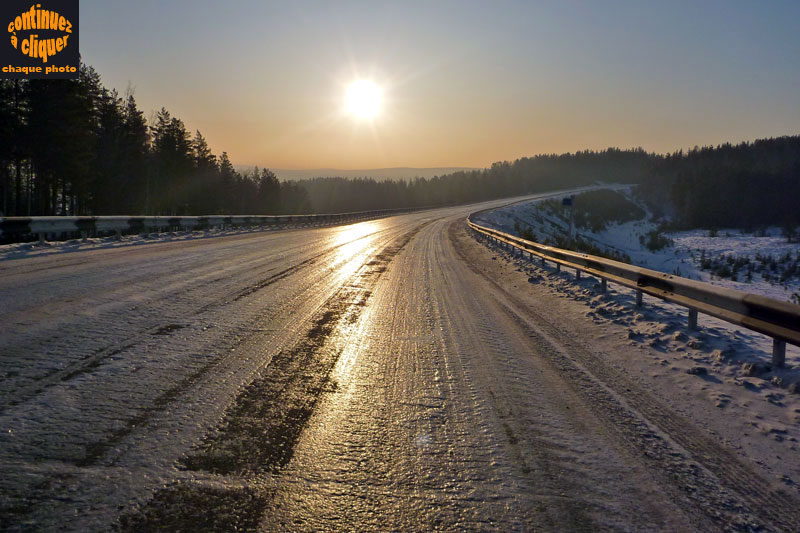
(374, 376)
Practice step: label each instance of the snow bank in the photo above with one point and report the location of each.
(682, 258)
(719, 350)
(36, 249)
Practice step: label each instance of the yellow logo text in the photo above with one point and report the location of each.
(37, 19)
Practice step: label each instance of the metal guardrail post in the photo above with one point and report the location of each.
(577, 274)
(639, 295)
(692, 319)
(778, 352)
(603, 285)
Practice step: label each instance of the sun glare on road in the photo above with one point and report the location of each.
(354, 232)
(354, 244)
(363, 99)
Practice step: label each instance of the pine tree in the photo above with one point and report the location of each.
(227, 185)
(269, 190)
(10, 130)
(173, 165)
(206, 176)
(136, 148)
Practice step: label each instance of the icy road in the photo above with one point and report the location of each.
(386, 375)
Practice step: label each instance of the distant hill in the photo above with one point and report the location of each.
(378, 174)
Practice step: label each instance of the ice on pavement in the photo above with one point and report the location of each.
(722, 366)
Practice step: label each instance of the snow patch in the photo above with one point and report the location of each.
(683, 258)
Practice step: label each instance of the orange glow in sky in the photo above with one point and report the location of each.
(451, 83)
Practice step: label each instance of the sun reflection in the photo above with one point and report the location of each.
(354, 243)
(357, 244)
(354, 232)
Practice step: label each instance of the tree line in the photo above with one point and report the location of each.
(503, 179)
(747, 185)
(74, 147)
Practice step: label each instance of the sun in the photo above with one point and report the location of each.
(363, 99)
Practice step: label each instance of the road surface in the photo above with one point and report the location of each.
(375, 376)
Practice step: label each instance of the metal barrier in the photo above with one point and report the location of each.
(21, 228)
(779, 320)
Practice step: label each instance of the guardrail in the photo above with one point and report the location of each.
(776, 319)
(20, 228)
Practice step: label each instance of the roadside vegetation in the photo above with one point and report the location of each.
(603, 220)
(593, 211)
(776, 269)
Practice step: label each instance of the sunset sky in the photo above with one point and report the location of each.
(460, 83)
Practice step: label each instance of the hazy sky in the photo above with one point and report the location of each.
(464, 83)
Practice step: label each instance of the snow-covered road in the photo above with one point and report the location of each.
(387, 375)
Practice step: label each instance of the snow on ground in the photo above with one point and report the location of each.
(682, 258)
(688, 245)
(720, 375)
(721, 363)
(37, 249)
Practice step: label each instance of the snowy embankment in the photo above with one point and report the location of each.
(684, 257)
(721, 362)
(35, 249)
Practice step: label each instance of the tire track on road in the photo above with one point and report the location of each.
(704, 472)
(569, 476)
(259, 431)
(13, 396)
